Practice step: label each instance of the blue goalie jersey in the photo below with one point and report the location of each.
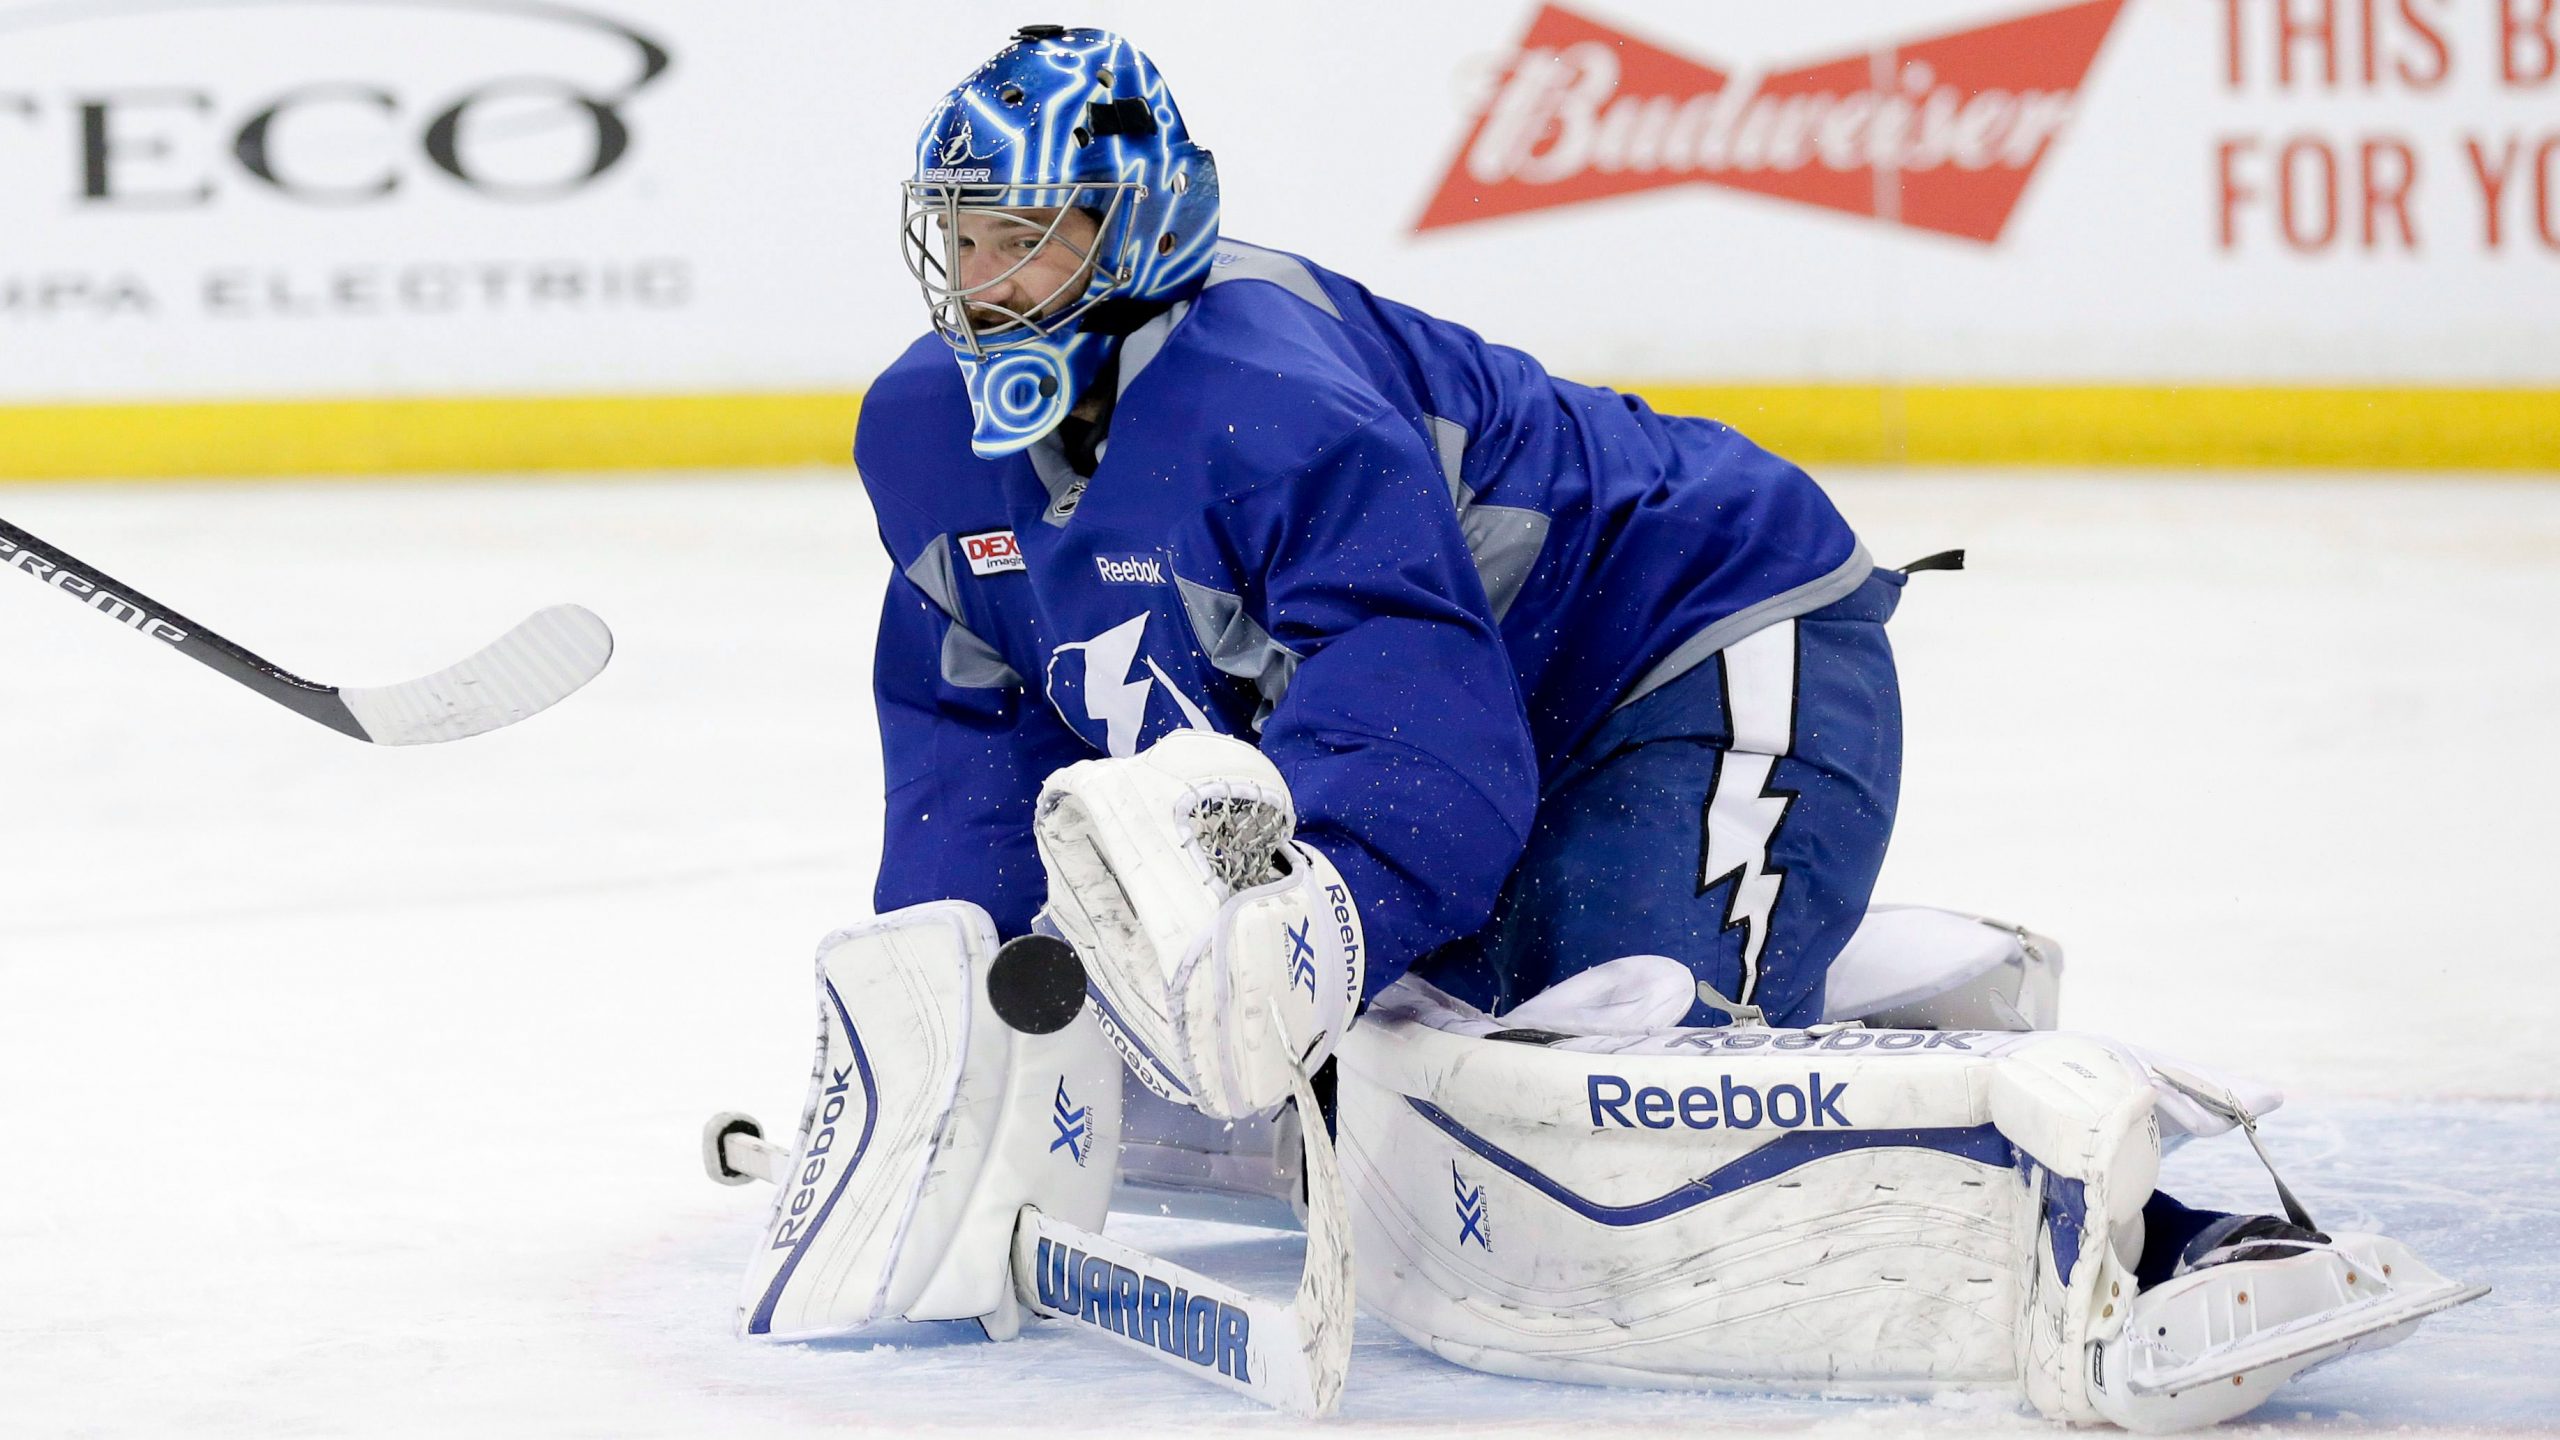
(1410, 565)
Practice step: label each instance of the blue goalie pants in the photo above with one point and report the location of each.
(1733, 819)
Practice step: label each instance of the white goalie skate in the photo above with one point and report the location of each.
(2216, 1342)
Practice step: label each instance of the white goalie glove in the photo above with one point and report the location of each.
(1176, 875)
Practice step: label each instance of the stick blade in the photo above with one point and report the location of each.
(1324, 1302)
(522, 673)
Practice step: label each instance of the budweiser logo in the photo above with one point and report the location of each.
(1937, 134)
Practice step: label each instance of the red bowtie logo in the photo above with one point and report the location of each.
(1939, 134)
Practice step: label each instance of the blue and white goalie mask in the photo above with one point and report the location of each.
(1057, 204)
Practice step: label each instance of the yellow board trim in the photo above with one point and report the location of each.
(2143, 425)
(425, 436)
(2101, 425)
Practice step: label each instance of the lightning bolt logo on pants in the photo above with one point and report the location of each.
(1743, 809)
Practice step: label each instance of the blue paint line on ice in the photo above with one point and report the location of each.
(762, 1322)
(1979, 1142)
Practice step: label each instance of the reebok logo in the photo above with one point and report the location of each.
(793, 1227)
(1131, 570)
(1938, 134)
(1809, 1106)
(1725, 1040)
(1349, 933)
(992, 552)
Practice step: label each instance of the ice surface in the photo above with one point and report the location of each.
(347, 1091)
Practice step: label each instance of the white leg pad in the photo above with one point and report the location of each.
(2081, 1118)
(930, 1124)
(1889, 1212)
(1824, 1211)
(1838, 1210)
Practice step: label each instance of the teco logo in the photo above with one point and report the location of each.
(139, 130)
(1940, 134)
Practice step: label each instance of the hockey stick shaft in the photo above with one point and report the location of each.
(747, 1155)
(523, 672)
(139, 612)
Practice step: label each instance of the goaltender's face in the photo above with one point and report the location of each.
(1031, 263)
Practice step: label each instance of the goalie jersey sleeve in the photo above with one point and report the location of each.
(1402, 732)
(964, 747)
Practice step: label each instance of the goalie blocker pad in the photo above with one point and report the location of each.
(929, 1125)
(1842, 1210)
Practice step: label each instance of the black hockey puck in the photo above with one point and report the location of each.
(1036, 984)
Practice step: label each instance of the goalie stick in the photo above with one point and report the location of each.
(523, 672)
(1298, 1352)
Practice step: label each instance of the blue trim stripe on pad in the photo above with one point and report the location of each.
(1982, 1143)
(762, 1322)
(1121, 1028)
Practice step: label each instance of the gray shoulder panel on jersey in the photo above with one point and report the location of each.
(931, 573)
(1237, 644)
(968, 661)
(1238, 261)
(1503, 540)
(1449, 439)
(1139, 350)
(973, 664)
(1812, 595)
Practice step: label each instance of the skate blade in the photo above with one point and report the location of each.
(2312, 1336)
